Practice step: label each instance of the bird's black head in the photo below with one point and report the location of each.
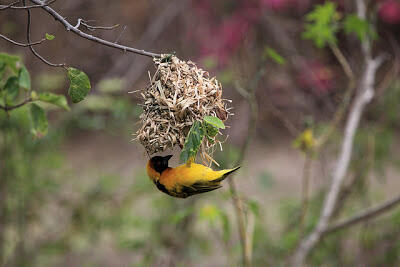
(160, 163)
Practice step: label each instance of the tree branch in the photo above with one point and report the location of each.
(96, 39)
(364, 216)
(28, 38)
(364, 96)
(21, 44)
(12, 5)
(8, 108)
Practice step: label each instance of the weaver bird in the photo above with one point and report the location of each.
(185, 180)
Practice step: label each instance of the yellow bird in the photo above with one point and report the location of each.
(185, 180)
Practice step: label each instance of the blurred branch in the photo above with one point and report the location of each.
(363, 97)
(245, 229)
(132, 70)
(21, 44)
(8, 108)
(28, 38)
(305, 192)
(364, 216)
(96, 39)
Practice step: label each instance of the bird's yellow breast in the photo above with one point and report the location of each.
(188, 174)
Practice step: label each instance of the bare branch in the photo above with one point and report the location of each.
(12, 5)
(92, 28)
(28, 37)
(96, 39)
(368, 214)
(246, 228)
(21, 44)
(364, 96)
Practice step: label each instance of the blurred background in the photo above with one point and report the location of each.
(80, 196)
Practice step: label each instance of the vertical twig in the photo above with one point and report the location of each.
(364, 96)
(305, 191)
(245, 228)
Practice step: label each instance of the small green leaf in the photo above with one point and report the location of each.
(12, 89)
(79, 85)
(10, 61)
(360, 27)
(210, 130)
(58, 100)
(50, 37)
(321, 26)
(214, 121)
(271, 53)
(39, 121)
(24, 78)
(192, 142)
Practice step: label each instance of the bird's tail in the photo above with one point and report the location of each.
(226, 174)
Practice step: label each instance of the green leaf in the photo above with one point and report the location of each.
(50, 37)
(11, 89)
(79, 84)
(193, 142)
(214, 121)
(10, 61)
(39, 121)
(58, 100)
(210, 130)
(209, 213)
(2, 69)
(24, 78)
(321, 26)
(271, 53)
(360, 27)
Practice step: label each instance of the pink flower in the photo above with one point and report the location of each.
(389, 12)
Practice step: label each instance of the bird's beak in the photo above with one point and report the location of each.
(168, 157)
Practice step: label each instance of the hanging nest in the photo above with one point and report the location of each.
(179, 93)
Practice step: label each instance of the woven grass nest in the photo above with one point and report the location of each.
(179, 93)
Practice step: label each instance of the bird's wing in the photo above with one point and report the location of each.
(200, 187)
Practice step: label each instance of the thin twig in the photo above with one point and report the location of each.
(21, 44)
(364, 96)
(120, 34)
(368, 214)
(92, 28)
(96, 39)
(28, 38)
(305, 191)
(8, 108)
(244, 229)
(12, 5)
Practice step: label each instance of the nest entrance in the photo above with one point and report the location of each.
(179, 93)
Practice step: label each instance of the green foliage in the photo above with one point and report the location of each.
(39, 121)
(24, 79)
(79, 84)
(50, 37)
(114, 85)
(208, 128)
(272, 54)
(214, 121)
(11, 90)
(58, 100)
(321, 25)
(192, 142)
(360, 27)
(10, 61)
